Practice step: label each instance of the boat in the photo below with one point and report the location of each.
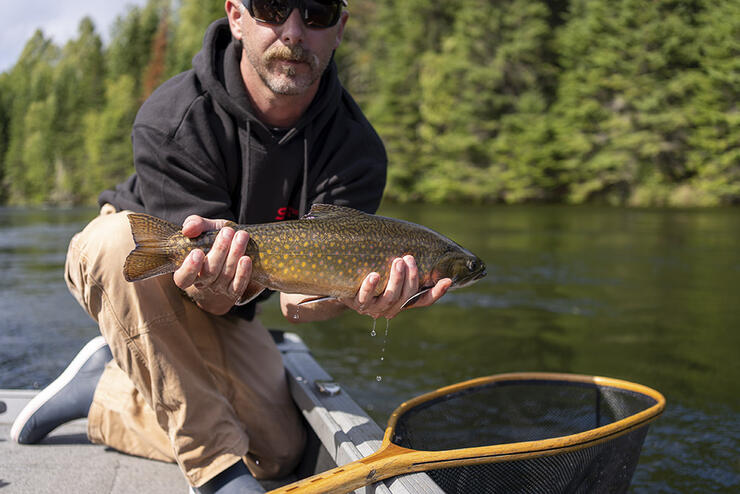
(340, 432)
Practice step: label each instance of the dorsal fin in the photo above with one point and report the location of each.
(324, 211)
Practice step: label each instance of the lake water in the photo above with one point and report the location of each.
(650, 296)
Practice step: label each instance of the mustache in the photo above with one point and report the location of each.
(295, 53)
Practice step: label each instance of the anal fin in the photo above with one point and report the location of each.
(252, 292)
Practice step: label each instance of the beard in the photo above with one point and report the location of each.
(284, 78)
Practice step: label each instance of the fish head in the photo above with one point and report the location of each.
(461, 266)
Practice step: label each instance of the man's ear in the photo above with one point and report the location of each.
(340, 28)
(234, 13)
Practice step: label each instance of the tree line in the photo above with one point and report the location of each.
(628, 102)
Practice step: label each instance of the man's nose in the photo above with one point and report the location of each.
(293, 29)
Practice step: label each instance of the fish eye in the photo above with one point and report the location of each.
(472, 264)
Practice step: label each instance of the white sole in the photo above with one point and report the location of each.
(69, 373)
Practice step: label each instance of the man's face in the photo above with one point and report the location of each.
(289, 58)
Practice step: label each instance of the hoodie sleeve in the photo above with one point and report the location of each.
(174, 182)
(355, 173)
(357, 183)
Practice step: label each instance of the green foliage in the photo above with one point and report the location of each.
(477, 94)
(192, 19)
(130, 47)
(106, 142)
(5, 106)
(631, 102)
(30, 114)
(637, 105)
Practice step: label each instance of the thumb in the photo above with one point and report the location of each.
(193, 226)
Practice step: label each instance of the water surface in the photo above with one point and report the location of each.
(650, 296)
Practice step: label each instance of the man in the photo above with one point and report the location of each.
(257, 131)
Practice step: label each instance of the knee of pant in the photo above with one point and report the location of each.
(282, 459)
(105, 242)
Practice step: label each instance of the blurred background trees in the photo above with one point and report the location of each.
(633, 102)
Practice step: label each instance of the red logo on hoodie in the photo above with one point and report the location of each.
(286, 213)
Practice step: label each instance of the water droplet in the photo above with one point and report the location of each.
(379, 378)
(382, 358)
(373, 333)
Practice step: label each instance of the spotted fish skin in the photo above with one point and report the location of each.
(328, 252)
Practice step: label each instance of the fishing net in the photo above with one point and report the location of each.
(545, 433)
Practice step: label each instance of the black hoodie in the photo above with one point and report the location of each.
(199, 149)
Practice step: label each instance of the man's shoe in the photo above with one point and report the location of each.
(234, 480)
(67, 398)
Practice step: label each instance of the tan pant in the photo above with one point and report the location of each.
(203, 390)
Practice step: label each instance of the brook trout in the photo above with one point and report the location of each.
(327, 253)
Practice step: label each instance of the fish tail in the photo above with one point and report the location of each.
(155, 252)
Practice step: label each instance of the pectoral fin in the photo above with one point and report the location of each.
(313, 300)
(415, 298)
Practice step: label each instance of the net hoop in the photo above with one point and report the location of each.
(525, 449)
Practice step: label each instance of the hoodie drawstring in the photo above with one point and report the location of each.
(304, 187)
(246, 161)
(303, 204)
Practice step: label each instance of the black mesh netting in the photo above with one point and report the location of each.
(529, 410)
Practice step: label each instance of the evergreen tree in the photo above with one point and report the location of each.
(193, 18)
(78, 88)
(630, 102)
(714, 140)
(634, 97)
(404, 31)
(155, 70)
(107, 137)
(5, 105)
(28, 155)
(130, 47)
(354, 57)
(491, 66)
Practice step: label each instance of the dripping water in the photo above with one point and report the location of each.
(385, 341)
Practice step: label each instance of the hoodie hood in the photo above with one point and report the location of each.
(217, 68)
(200, 149)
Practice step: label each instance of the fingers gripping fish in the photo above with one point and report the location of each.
(326, 253)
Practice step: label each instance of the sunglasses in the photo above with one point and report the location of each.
(318, 14)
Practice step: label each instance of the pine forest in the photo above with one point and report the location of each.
(626, 102)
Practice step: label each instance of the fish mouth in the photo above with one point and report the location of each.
(469, 280)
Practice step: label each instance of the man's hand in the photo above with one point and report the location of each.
(215, 281)
(403, 283)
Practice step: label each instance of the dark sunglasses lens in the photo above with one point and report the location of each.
(271, 11)
(321, 13)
